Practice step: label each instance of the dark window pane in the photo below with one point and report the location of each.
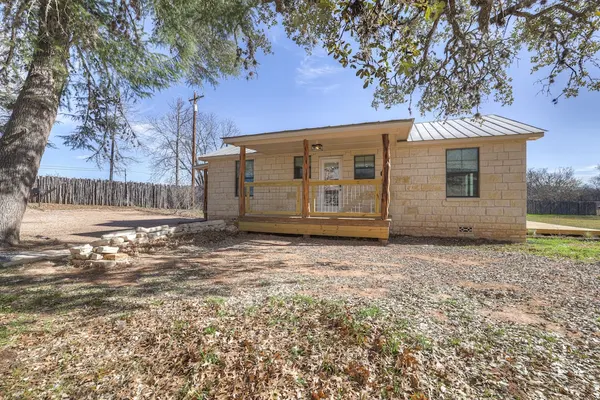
(248, 175)
(298, 162)
(364, 167)
(462, 172)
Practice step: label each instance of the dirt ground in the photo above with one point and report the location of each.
(496, 324)
(82, 224)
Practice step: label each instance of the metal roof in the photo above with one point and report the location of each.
(461, 128)
(318, 129)
(225, 151)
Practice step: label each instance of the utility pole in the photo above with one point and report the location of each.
(195, 100)
(179, 103)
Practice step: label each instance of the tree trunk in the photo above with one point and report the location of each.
(32, 118)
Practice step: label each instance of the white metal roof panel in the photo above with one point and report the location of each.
(486, 126)
(224, 152)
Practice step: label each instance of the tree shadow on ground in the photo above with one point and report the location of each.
(224, 268)
(117, 225)
(56, 288)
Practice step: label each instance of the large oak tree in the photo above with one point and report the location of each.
(450, 55)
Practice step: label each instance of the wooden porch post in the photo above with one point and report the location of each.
(205, 200)
(305, 177)
(385, 177)
(242, 181)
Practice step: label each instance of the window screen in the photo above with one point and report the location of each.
(364, 167)
(462, 172)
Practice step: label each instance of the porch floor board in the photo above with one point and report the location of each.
(317, 226)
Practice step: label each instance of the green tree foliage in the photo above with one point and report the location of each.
(133, 45)
(71, 53)
(453, 55)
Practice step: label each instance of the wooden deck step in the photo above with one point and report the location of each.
(315, 226)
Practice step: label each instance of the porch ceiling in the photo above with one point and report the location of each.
(332, 138)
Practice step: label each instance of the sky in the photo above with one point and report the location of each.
(294, 90)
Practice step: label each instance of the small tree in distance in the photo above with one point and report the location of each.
(170, 147)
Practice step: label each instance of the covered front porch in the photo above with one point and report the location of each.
(330, 205)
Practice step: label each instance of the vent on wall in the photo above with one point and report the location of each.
(465, 229)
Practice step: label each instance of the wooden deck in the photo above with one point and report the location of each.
(317, 226)
(542, 228)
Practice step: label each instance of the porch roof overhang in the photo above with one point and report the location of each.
(331, 137)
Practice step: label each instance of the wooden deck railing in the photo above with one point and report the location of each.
(274, 198)
(334, 198)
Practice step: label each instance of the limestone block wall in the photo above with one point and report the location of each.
(419, 206)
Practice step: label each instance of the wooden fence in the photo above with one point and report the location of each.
(563, 207)
(96, 192)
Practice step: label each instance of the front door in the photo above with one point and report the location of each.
(330, 196)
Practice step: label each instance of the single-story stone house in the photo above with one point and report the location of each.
(455, 178)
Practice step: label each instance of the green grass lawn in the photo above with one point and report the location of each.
(580, 221)
(559, 247)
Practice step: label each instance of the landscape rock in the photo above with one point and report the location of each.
(81, 250)
(116, 257)
(107, 250)
(101, 242)
(95, 256)
(118, 234)
(117, 241)
(153, 229)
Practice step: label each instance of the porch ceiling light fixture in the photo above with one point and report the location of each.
(317, 147)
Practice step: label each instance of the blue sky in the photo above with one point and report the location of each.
(294, 90)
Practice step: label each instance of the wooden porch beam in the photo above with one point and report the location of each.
(242, 182)
(385, 177)
(205, 194)
(305, 182)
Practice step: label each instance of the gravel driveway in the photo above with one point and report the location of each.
(489, 323)
(82, 224)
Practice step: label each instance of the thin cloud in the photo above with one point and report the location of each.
(588, 169)
(316, 74)
(82, 157)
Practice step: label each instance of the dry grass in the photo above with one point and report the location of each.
(267, 317)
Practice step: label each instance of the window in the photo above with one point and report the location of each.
(298, 161)
(364, 167)
(249, 175)
(462, 172)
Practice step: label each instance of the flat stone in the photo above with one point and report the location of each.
(141, 235)
(107, 250)
(153, 229)
(117, 241)
(101, 242)
(116, 257)
(79, 250)
(95, 256)
(118, 234)
(81, 256)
